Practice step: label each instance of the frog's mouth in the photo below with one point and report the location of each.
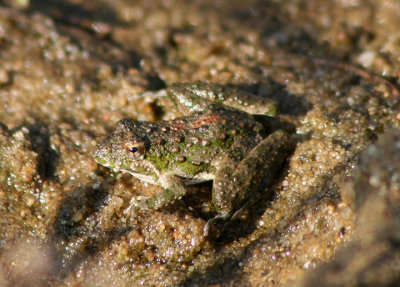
(135, 169)
(146, 177)
(101, 160)
(138, 169)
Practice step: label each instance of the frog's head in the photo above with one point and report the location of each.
(124, 149)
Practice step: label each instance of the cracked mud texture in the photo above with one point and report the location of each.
(70, 69)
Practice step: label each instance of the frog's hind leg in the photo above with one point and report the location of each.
(235, 181)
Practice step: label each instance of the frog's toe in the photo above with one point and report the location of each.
(139, 202)
(216, 225)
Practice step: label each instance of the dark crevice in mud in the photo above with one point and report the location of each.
(76, 241)
(155, 83)
(76, 13)
(10, 80)
(39, 136)
(4, 128)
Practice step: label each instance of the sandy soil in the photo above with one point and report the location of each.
(70, 69)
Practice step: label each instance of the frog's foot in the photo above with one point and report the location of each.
(138, 202)
(216, 224)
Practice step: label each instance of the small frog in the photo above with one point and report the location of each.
(217, 140)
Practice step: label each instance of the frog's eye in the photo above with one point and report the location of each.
(136, 149)
(133, 149)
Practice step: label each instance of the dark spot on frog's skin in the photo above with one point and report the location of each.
(175, 149)
(177, 139)
(238, 158)
(181, 158)
(161, 141)
(204, 128)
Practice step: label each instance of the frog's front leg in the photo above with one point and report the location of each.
(174, 189)
(235, 182)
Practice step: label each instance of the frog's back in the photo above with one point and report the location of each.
(192, 146)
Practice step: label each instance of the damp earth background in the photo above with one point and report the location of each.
(70, 69)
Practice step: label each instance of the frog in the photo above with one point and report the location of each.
(217, 139)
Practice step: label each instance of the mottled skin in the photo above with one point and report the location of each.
(215, 142)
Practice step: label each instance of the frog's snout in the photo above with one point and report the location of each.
(100, 155)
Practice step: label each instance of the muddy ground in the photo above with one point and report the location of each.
(70, 69)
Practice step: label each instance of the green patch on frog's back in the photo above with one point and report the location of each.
(170, 162)
(188, 167)
(163, 159)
